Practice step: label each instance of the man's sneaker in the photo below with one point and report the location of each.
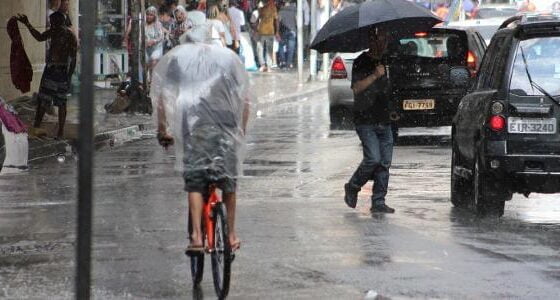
(382, 208)
(350, 196)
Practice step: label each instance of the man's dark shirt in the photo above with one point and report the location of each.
(371, 106)
(287, 17)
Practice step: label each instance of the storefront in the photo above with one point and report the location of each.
(111, 57)
(111, 54)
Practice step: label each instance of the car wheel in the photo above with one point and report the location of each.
(341, 117)
(459, 186)
(488, 195)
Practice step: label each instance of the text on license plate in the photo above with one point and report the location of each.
(532, 125)
(420, 104)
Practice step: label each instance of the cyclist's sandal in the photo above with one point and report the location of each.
(194, 250)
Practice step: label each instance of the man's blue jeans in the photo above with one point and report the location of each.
(377, 144)
(288, 47)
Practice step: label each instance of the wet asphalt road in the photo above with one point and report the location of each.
(300, 241)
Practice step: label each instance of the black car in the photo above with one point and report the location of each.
(418, 67)
(505, 136)
(423, 94)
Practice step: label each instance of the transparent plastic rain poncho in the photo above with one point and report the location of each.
(203, 91)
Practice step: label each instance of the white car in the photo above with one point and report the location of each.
(341, 97)
(486, 27)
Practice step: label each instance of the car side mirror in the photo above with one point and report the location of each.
(460, 77)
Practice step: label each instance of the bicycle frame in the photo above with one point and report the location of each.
(214, 211)
(209, 223)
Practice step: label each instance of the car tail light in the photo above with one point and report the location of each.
(338, 70)
(497, 123)
(421, 34)
(471, 62)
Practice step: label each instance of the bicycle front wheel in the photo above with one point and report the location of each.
(221, 256)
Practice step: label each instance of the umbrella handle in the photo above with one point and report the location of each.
(387, 72)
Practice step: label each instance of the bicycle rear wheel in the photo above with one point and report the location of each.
(197, 262)
(221, 256)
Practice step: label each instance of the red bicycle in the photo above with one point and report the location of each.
(216, 239)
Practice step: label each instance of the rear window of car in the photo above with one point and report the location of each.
(487, 13)
(433, 45)
(541, 63)
(487, 31)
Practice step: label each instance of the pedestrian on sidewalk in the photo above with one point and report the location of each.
(201, 93)
(254, 31)
(268, 30)
(288, 33)
(216, 26)
(64, 8)
(229, 26)
(61, 62)
(178, 26)
(238, 20)
(154, 39)
(166, 19)
(371, 117)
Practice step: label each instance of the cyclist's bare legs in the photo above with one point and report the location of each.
(230, 201)
(195, 206)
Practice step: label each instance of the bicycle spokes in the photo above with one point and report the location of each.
(221, 256)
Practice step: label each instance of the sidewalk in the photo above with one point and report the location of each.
(269, 89)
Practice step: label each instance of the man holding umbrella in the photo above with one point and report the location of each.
(358, 27)
(373, 125)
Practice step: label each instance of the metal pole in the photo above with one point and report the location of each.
(299, 16)
(85, 152)
(143, 51)
(326, 61)
(312, 33)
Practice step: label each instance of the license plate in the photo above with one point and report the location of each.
(532, 125)
(420, 104)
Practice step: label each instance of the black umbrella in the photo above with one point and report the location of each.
(348, 30)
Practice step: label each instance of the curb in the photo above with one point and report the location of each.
(117, 137)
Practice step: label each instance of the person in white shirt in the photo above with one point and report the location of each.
(238, 20)
(217, 27)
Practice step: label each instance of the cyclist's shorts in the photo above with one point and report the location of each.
(210, 157)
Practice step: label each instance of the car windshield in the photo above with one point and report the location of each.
(489, 12)
(543, 63)
(432, 45)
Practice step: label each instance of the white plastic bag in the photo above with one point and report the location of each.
(17, 150)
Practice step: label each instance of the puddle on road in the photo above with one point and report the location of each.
(263, 162)
(407, 166)
(538, 209)
(258, 173)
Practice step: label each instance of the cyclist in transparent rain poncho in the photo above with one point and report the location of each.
(201, 93)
